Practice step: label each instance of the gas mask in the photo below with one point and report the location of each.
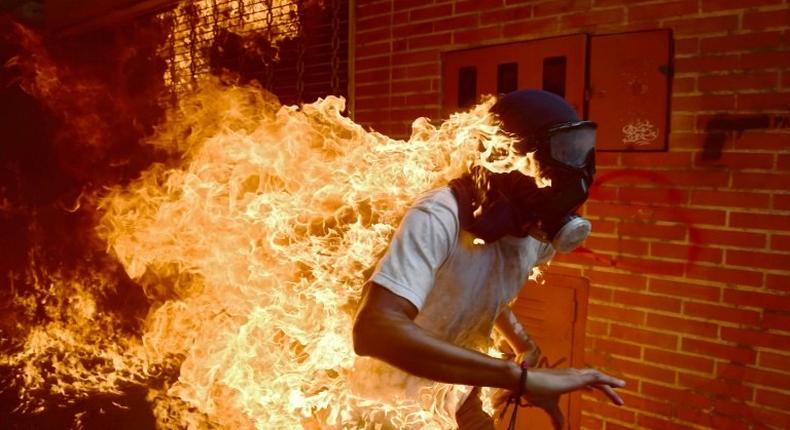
(567, 157)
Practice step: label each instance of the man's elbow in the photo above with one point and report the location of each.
(363, 344)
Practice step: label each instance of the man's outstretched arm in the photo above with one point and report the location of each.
(385, 329)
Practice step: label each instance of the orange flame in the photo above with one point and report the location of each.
(265, 231)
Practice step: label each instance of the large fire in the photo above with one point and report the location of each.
(251, 249)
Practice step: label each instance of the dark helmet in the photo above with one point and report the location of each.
(546, 123)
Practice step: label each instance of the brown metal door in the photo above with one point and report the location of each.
(629, 89)
(556, 64)
(554, 314)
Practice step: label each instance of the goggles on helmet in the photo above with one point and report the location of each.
(571, 143)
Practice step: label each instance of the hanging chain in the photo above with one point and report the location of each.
(193, 16)
(300, 54)
(268, 57)
(215, 17)
(334, 81)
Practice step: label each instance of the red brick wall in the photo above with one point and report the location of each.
(689, 284)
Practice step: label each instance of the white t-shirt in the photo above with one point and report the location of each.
(458, 287)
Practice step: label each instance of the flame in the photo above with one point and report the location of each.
(251, 246)
(265, 231)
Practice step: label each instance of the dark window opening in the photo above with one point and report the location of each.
(554, 75)
(467, 86)
(506, 78)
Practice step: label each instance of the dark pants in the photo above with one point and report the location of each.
(471, 416)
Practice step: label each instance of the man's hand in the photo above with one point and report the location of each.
(545, 386)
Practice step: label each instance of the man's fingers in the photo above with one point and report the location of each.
(592, 376)
(613, 396)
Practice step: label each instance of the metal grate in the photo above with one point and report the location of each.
(200, 27)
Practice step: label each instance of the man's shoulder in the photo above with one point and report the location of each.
(437, 199)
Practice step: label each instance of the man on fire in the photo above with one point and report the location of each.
(438, 292)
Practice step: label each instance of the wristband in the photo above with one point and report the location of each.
(522, 388)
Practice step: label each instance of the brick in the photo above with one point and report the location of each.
(730, 199)
(652, 231)
(476, 5)
(679, 395)
(776, 399)
(376, 89)
(754, 259)
(416, 57)
(412, 29)
(603, 408)
(721, 313)
(717, 5)
(684, 289)
(755, 376)
(688, 253)
(757, 140)
(619, 348)
(616, 245)
(429, 41)
(652, 159)
(682, 325)
(642, 370)
(411, 86)
(593, 17)
(706, 63)
(684, 47)
(641, 403)
(778, 321)
(455, 23)
(714, 386)
(683, 86)
(714, 24)
(703, 418)
(591, 423)
(559, 7)
(759, 221)
(704, 102)
(681, 122)
(532, 27)
(603, 193)
(725, 275)
(597, 328)
(373, 76)
(773, 419)
(373, 22)
(780, 242)
(727, 238)
(782, 162)
(661, 423)
(760, 181)
(662, 10)
(739, 81)
(615, 313)
(477, 35)
(732, 409)
(777, 282)
(661, 340)
(755, 338)
(764, 101)
(430, 12)
(655, 267)
(653, 195)
(765, 60)
(422, 99)
(773, 360)
(503, 15)
(369, 9)
(742, 42)
(372, 63)
(372, 49)
(737, 160)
